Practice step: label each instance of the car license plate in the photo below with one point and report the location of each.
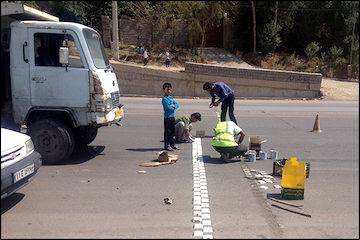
(119, 113)
(23, 173)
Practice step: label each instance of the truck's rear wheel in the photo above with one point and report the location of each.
(53, 139)
(85, 135)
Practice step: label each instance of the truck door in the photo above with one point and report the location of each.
(53, 84)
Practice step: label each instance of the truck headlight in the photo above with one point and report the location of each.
(29, 146)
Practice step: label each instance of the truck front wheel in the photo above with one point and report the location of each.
(85, 135)
(53, 139)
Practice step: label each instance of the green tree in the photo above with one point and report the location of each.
(351, 38)
(269, 38)
(148, 12)
(171, 15)
(199, 15)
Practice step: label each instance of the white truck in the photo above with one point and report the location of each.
(57, 81)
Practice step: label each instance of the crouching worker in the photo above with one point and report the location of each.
(183, 126)
(224, 140)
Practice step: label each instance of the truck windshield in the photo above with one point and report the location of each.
(96, 48)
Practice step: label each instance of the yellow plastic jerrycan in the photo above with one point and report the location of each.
(293, 179)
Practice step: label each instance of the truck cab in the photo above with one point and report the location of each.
(63, 87)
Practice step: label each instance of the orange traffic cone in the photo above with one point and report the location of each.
(316, 127)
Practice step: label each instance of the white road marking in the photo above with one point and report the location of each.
(201, 206)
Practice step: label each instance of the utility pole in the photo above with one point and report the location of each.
(115, 31)
(276, 12)
(354, 18)
(254, 24)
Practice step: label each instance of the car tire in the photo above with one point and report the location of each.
(53, 139)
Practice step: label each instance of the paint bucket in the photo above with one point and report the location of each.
(250, 151)
(262, 155)
(273, 154)
(252, 156)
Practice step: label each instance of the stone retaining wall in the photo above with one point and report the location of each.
(247, 83)
(251, 82)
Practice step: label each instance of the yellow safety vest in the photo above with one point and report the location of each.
(223, 137)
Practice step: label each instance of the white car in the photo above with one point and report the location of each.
(19, 161)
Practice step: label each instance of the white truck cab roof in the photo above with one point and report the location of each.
(77, 27)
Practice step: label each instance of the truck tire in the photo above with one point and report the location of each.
(53, 139)
(85, 135)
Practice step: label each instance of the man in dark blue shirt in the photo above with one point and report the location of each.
(226, 96)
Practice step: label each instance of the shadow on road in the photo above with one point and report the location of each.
(274, 195)
(144, 149)
(208, 159)
(83, 154)
(11, 201)
(207, 136)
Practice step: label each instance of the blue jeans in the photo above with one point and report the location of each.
(228, 103)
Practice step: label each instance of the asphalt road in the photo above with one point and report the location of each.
(99, 192)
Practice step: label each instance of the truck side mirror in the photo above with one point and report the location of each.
(64, 55)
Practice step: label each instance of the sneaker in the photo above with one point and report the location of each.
(225, 157)
(175, 148)
(167, 149)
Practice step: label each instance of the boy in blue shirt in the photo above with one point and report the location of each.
(169, 106)
(226, 98)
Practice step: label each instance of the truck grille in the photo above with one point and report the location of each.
(115, 97)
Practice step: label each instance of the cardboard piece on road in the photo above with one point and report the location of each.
(154, 164)
(163, 159)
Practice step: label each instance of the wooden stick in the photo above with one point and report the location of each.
(293, 211)
(286, 203)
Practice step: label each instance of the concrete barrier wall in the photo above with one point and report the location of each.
(140, 80)
(249, 83)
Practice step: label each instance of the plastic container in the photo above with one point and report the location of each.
(274, 155)
(293, 179)
(252, 156)
(262, 155)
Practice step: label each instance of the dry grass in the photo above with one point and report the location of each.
(293, 62)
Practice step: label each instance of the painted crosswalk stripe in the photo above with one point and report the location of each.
(201, 206)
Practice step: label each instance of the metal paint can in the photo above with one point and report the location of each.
(252, 156)
(262, 155)
(273, 154)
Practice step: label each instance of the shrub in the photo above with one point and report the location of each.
(335, 58)
(356, 54)
(269, 38)
(311, 49)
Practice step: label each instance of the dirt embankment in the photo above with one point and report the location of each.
(339, 90)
